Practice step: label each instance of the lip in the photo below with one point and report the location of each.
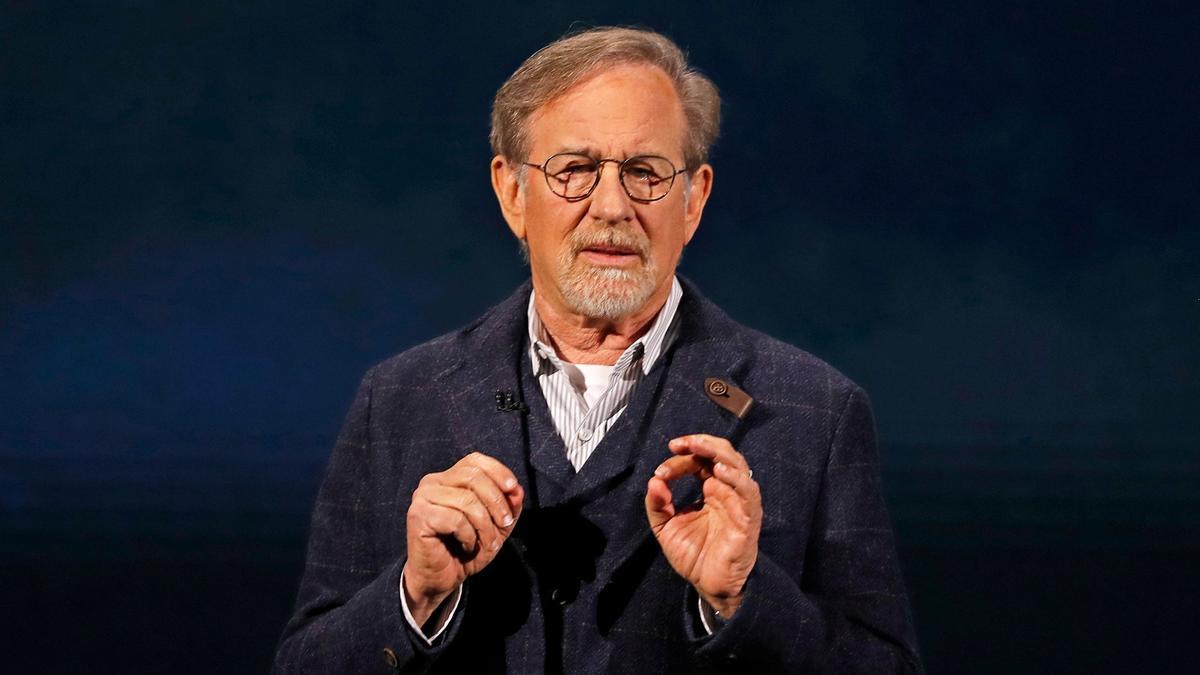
(604, 255)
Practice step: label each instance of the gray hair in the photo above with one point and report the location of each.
(573, 58)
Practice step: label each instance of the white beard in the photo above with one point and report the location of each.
(606, 293)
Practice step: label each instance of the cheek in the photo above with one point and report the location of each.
(667, 235)
(548, 226)
(552, 220)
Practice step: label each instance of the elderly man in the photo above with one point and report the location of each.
(604, 472)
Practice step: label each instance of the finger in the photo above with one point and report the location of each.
(736, 496)
(683, 465)
(736, 490)
(444, 521)
(738, 479)
(736, 515)
(659, 507)
(713, 447)
(722, 496)
(516, 504)
(503, 477)
(476, 513)
(500, 474)
(473, 478)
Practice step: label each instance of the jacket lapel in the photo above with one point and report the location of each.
(489, 362)
(547, 452)
(707, 346)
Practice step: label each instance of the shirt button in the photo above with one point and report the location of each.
(584, 435)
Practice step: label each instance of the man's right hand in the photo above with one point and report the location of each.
(456, 524)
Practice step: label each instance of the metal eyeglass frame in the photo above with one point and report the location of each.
(600, 170)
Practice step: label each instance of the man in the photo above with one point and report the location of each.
(604, 472)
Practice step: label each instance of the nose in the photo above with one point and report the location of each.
(610, 203)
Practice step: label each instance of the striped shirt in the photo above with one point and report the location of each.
(584, 400)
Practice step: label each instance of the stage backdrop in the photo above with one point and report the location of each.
(215, 216)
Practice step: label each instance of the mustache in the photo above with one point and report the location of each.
(611, 238)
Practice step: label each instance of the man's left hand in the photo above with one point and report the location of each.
(713, 544)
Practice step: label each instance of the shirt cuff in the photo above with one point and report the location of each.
(440, 618)
(709, 618)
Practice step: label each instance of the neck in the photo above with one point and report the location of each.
(587, 340)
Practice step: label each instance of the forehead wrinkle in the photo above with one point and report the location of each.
(622, 145)
(616, 132)
(594, 152)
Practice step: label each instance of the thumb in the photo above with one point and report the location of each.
(659, 508)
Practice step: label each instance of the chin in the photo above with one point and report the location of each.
(607, 293)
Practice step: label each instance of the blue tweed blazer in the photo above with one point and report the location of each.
(581, 586)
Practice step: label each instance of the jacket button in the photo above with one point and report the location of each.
(558, 596)
(717, 388)
(390, 657)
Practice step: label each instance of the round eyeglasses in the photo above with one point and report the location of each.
(573, 176)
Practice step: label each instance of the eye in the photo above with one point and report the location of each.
(572, 163)
(642, 173)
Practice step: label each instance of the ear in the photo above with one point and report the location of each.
(700, 189)
(508, 193)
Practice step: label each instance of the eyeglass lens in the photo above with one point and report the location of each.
(645, 177)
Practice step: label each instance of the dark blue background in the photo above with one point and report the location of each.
(215, 216)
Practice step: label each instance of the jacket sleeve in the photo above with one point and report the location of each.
(849, 612)
(348, 617)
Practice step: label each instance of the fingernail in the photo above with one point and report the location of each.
(661, 472)
(510, 483)
(508, 520)
(495, 544)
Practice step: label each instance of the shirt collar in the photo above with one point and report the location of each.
(646, 348)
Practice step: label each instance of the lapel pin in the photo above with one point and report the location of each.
(728, 396)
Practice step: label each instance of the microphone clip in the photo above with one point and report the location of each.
(506, 401)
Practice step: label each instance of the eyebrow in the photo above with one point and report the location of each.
(592, 152)
(584, 150)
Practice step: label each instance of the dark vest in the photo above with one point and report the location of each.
(567, 578)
